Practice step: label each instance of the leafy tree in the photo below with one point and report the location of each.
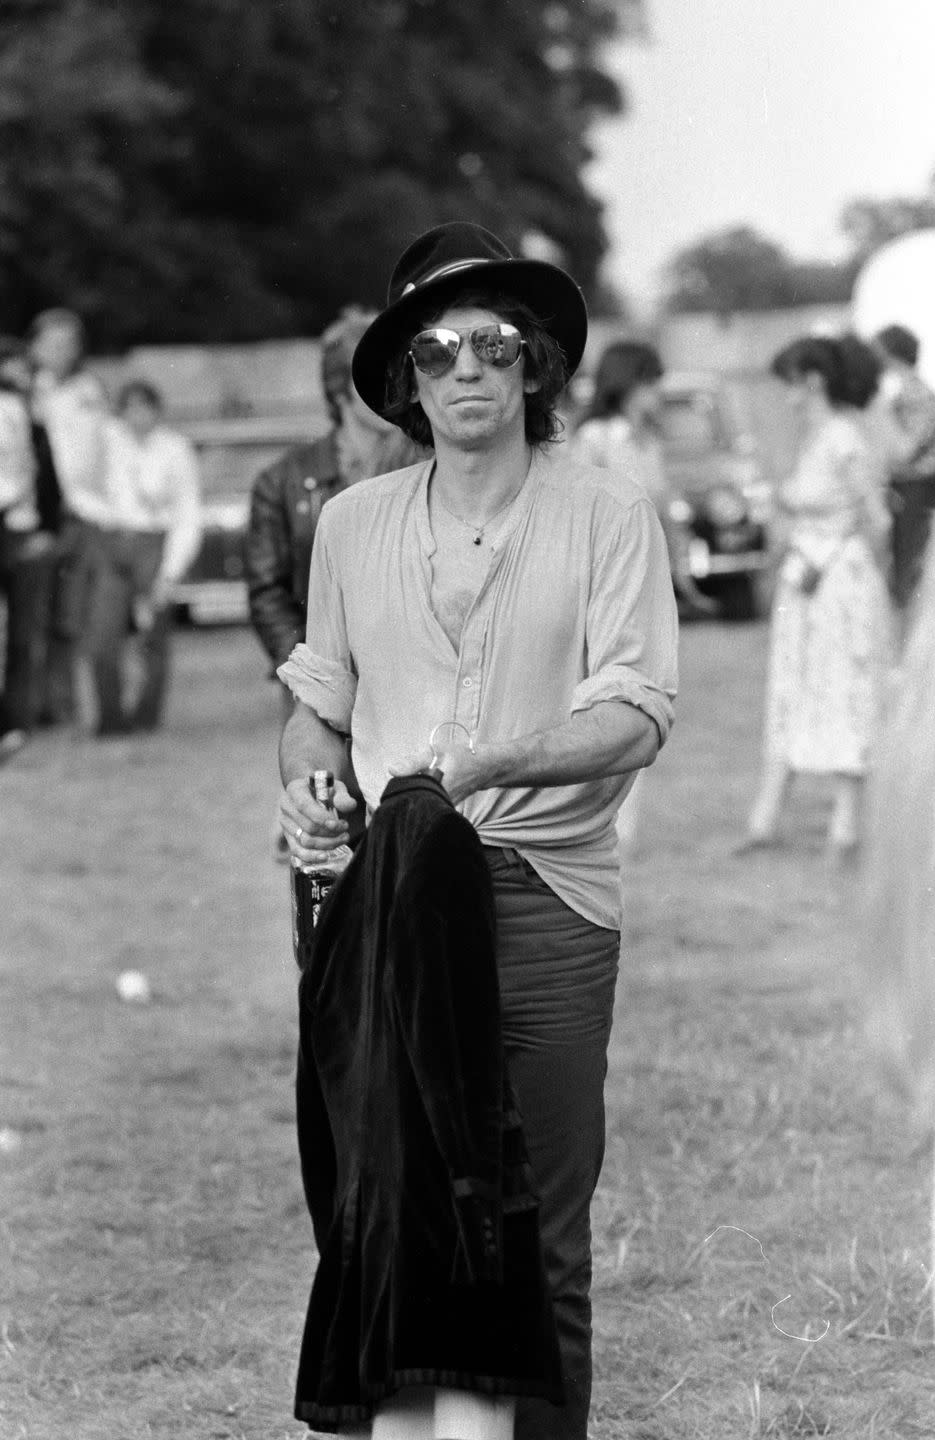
(734, 269)
(870, 224)
(224, 169)
(738, 269)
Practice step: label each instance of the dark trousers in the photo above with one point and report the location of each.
(557, 979)
(67, 615)
(123, 568)
(26, 585)
(912, 503)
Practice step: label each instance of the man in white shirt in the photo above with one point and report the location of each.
(151, 535)
(70, 405)
(505, 614)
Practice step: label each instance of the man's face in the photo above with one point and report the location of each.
(57, 348)
(140, 416)
(472, 405)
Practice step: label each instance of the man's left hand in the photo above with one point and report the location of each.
(462, 769)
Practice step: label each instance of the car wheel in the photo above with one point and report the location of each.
(739, 598)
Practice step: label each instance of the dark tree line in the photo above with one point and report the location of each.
(230, 169)
(739, 269)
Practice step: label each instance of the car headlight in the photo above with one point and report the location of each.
(725, 506)
(760, 504)
(680, 511)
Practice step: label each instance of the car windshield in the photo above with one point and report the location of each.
(691, 423)
(229, 470)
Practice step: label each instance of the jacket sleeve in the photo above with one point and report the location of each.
(274, 613)
(445, 997)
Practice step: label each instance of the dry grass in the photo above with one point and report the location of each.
(154, 1249)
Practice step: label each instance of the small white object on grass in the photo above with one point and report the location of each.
(133, 986)
(10, 1140)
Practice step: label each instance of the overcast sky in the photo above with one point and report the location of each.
(768, 112)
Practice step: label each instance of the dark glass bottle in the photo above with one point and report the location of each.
(310, 884)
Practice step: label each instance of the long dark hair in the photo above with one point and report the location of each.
(624, 365)
(849, 370)
(543, 361)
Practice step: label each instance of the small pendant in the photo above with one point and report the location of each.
(477, 539)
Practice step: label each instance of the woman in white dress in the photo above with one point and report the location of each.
(830, 634)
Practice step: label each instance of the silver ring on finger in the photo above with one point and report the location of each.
(300, 835)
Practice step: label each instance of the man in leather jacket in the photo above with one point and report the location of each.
(288, 496)
(287, 499)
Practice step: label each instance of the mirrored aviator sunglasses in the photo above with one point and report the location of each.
(434, 350)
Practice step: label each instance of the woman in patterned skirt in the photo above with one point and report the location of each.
(830, 630)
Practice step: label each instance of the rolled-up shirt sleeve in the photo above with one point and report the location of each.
(321, 672)
(632, 623)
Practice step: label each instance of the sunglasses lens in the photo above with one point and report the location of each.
(433, 351)
(497, 345)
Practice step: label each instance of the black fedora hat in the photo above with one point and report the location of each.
(453, 257)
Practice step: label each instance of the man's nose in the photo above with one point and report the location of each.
(467, 364)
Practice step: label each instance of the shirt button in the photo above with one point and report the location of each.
(310, 482)
(303, 507)
(467, 682)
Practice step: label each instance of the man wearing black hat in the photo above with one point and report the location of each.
(515, 607)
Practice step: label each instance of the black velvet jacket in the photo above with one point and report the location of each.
(413, 1158)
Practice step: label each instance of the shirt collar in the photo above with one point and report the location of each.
(523, 503)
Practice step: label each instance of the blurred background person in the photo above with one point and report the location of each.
(620, 432)
(26, 555)
(287, 499)
(899, 874)
(830, 627)
(70, 406)
(152, 535)
(911, 405)
(620, 427)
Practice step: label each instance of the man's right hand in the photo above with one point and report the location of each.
(310, 829)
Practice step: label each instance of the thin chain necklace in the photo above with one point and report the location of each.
(477, 531)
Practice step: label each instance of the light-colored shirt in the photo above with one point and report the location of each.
(75, 414)
(611, 444)
(17, 465)
(837, 489)
(577, 608)
(154, 485)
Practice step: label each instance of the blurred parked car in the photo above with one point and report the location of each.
(721, 499)
(231, 454)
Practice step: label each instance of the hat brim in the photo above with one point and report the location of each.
(551, 294)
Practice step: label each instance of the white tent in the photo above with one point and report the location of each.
(897, 287)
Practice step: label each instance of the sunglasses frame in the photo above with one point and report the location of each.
(439, 330)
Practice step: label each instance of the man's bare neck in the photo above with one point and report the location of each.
(476, 482)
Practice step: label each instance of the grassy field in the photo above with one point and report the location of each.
(761, 1224)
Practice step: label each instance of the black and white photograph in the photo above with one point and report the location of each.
(467, 719)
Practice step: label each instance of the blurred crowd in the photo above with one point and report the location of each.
(99, 517)
(849, 537)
